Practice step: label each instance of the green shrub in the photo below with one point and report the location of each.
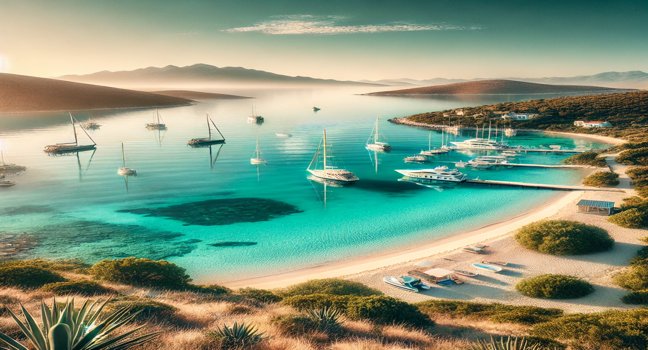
(317, 301)
(148, 310)
(375, 308)
(562, 237)
(602, 179)
(642, 191)
(294, 325)
(237, 336)
(641, 258)
(554, 287)
(637, 156)
(329, 286)
(636, 298)
(606, 330)
(386, 310)
(631, 218)
(27, 277)
(508, 343)
(85, 288)
(65, 265)
(260, 295)
(634, 277)
(213, 289)
(639, 176)
(142, 272)
(493, 311)
(586, 158)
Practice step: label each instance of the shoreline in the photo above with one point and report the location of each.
(434, 248)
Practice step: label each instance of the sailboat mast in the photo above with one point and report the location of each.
(2, 156)
(430, 141)
(208, 127)
(489, 130)
(158, 116)
(324, 149)
(76, 139)
(477, 132)
(257, 148)
(376, 134)
(123, 156)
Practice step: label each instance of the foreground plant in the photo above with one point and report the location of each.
(65, 328)
(326, 318)
(238, 336)
(507, 343)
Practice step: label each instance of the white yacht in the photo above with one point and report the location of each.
(158, 124)
(440, 173)
(432, 152)
(493, 159)
(480, 144)
(123, 170)
(328, 171)
(374, 143)
(415, 159)
(256, 159)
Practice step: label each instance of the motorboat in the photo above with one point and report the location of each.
(283, 134)
(406, 282)
(440, 173)
(487, 267)
(374, 143)
(328, 171)
(207, 141)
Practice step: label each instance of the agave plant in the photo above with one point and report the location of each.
(238, 336)
(507, 343)
(65, 328)
(327, 318)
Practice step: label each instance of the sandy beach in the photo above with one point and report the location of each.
(446, 253)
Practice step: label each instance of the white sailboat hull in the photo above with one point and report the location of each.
(334, 175)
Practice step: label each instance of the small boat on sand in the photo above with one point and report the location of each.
(406, 282)
(500, 263)
(466, 273)
(487, 267)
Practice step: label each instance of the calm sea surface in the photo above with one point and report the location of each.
(221, 218)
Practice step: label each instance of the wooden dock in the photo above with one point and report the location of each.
(552, 166)
(542, 186)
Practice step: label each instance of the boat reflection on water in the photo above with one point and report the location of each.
(326, 183)
(438, 186)
(213, 156)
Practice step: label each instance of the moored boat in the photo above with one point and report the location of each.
(406, 282)
(440, 173)
(206, 141)
(415, 159)
(256, 158)
(9, 168)
(487, 267)
(466, 273)
(158, 124)
(374, 143)
(328, 171)
(124, 170)
(71, 147)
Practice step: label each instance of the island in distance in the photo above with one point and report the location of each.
(499, 86)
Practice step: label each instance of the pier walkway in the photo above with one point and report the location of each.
(542, 186)
(558, 166)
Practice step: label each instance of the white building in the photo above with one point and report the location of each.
(518, 116)
(592, 124)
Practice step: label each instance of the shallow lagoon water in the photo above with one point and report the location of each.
(276, 220)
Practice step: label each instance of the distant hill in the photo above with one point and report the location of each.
(493, 87)
(631, 79)
(199, 74)
(415, 82)
(20, 93)
(198, 95)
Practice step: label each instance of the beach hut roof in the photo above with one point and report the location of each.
(439, 272)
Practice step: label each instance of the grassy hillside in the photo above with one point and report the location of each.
(19, 93)
(493, 87)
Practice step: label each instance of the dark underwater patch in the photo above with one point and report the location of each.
(26, 209)
(232, 244)
(221, 211)
(384, 186)
(92, 241)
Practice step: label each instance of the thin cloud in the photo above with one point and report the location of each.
(329, 25)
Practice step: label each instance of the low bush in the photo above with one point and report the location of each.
(638, 175)
(602, 179)
(65, 265)
(85, 288)
(562, 237)
(213, 289)
(260, 295)
(636, 298)
(375, 308)
(631, 218)
(634, 277)
(329, 286)
(554, 287)
(606, 330)
(149, 310)
(641, 258)
(27, 277)
(586, 158)
(636, 156)
(142, 272)
(294, 325)
(642, 191)
(494, 312)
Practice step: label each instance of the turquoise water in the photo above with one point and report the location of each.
(229, 219)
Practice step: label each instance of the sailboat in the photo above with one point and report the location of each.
(255, 119)
(9, 168)
(329, 172)
(71, 147)
(206, 141)
(158, 125)
(374, 143)
(90, 124)
(125, 171)
(432, 152)
(256, 159)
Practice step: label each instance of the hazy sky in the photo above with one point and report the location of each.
(343, 39)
